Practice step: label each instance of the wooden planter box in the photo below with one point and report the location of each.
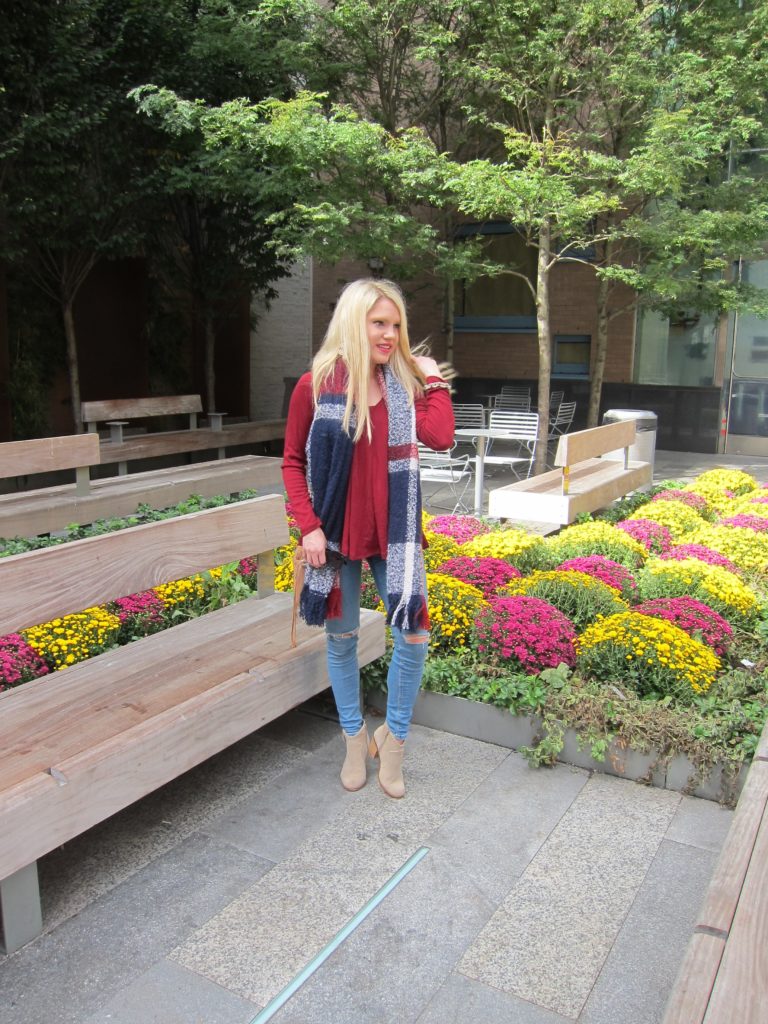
(495, 725)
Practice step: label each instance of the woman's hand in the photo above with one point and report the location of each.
(314, 545)
(428, 366)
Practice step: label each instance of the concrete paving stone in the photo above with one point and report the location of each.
(700, 823)
(638, 976)
(168, 994)
(85, 868)
(463, 1001)
(283, 813)
(399, 957)
(494, 834)
(307, 727)
(70, 973)
(549, 939)
(331, 875)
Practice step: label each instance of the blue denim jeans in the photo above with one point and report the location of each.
(405, 669)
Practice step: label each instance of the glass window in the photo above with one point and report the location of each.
(679, 350)
(570, 355)
(503, 303)
(749, 387)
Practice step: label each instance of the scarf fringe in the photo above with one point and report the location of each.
(410, 615)
(312, 607)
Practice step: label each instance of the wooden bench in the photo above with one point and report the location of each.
(593, 472)
(724, 975)
(75, 750)
(28, 513)
(120, 412)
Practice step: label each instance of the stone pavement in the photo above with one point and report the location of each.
(543, 896)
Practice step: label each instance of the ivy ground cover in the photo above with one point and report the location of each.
(647, 626)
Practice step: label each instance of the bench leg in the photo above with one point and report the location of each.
(20, 911)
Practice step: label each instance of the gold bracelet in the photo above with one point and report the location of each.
(437, 385)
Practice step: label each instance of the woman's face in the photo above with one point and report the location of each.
(383, 326)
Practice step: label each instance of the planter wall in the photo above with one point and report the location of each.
(495, 725)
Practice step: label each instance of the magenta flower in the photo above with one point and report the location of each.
(460, 528)
(526, 631)
(604, 569)
(688, 498)
(147, 605)
(653, 536)
(756, 523)
(696, 618)
(248, 567)
(18, 661)
(139, 614)
(486, 573)
(704, 554)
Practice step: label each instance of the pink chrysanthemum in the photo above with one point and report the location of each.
(18, 661)
(526, 631)
(757, 523)
(603, 569)
(696, 618)
(680, 552)
(653, 536)
(486, 573)
(694, 501)
(460, 528)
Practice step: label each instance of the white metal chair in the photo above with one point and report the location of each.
(453, 472)
(560, 422)
(518, 444)
(515, 391)
(513, 403)
(555, 398)
(466, 416)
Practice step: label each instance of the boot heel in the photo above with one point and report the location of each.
(390, 753)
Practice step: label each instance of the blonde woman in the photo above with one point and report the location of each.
(351, 471)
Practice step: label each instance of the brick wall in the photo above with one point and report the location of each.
(573, 291)
(281, 343)
(424, 300)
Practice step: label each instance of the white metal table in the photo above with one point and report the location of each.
(482, 437)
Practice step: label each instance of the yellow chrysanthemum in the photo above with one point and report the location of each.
(74, 638)
(679, 519)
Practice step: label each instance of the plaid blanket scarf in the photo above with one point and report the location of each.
(329, 458)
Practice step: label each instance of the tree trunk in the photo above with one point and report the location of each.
(544, 330)
(210, 352)
(601, 347)
(450, 285)
(72, 363)
(6, 421)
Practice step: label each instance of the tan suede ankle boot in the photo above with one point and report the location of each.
(390, 752)
(353, 770)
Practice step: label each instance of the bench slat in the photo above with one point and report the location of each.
(48, 454)
(739, 992)
(173, 442)
(695, 979)
(138, 408)
(587, 444)
(40, 814)
(39, 585)
(725, 887)
(45, 510)
(593, 484)
(71, 712)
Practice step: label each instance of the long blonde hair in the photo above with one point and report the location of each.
(347, 340)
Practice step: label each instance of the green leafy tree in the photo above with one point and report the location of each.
(210, 244)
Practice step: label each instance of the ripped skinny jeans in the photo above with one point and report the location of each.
(405, 669)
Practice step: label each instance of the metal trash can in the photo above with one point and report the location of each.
(646, 426)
